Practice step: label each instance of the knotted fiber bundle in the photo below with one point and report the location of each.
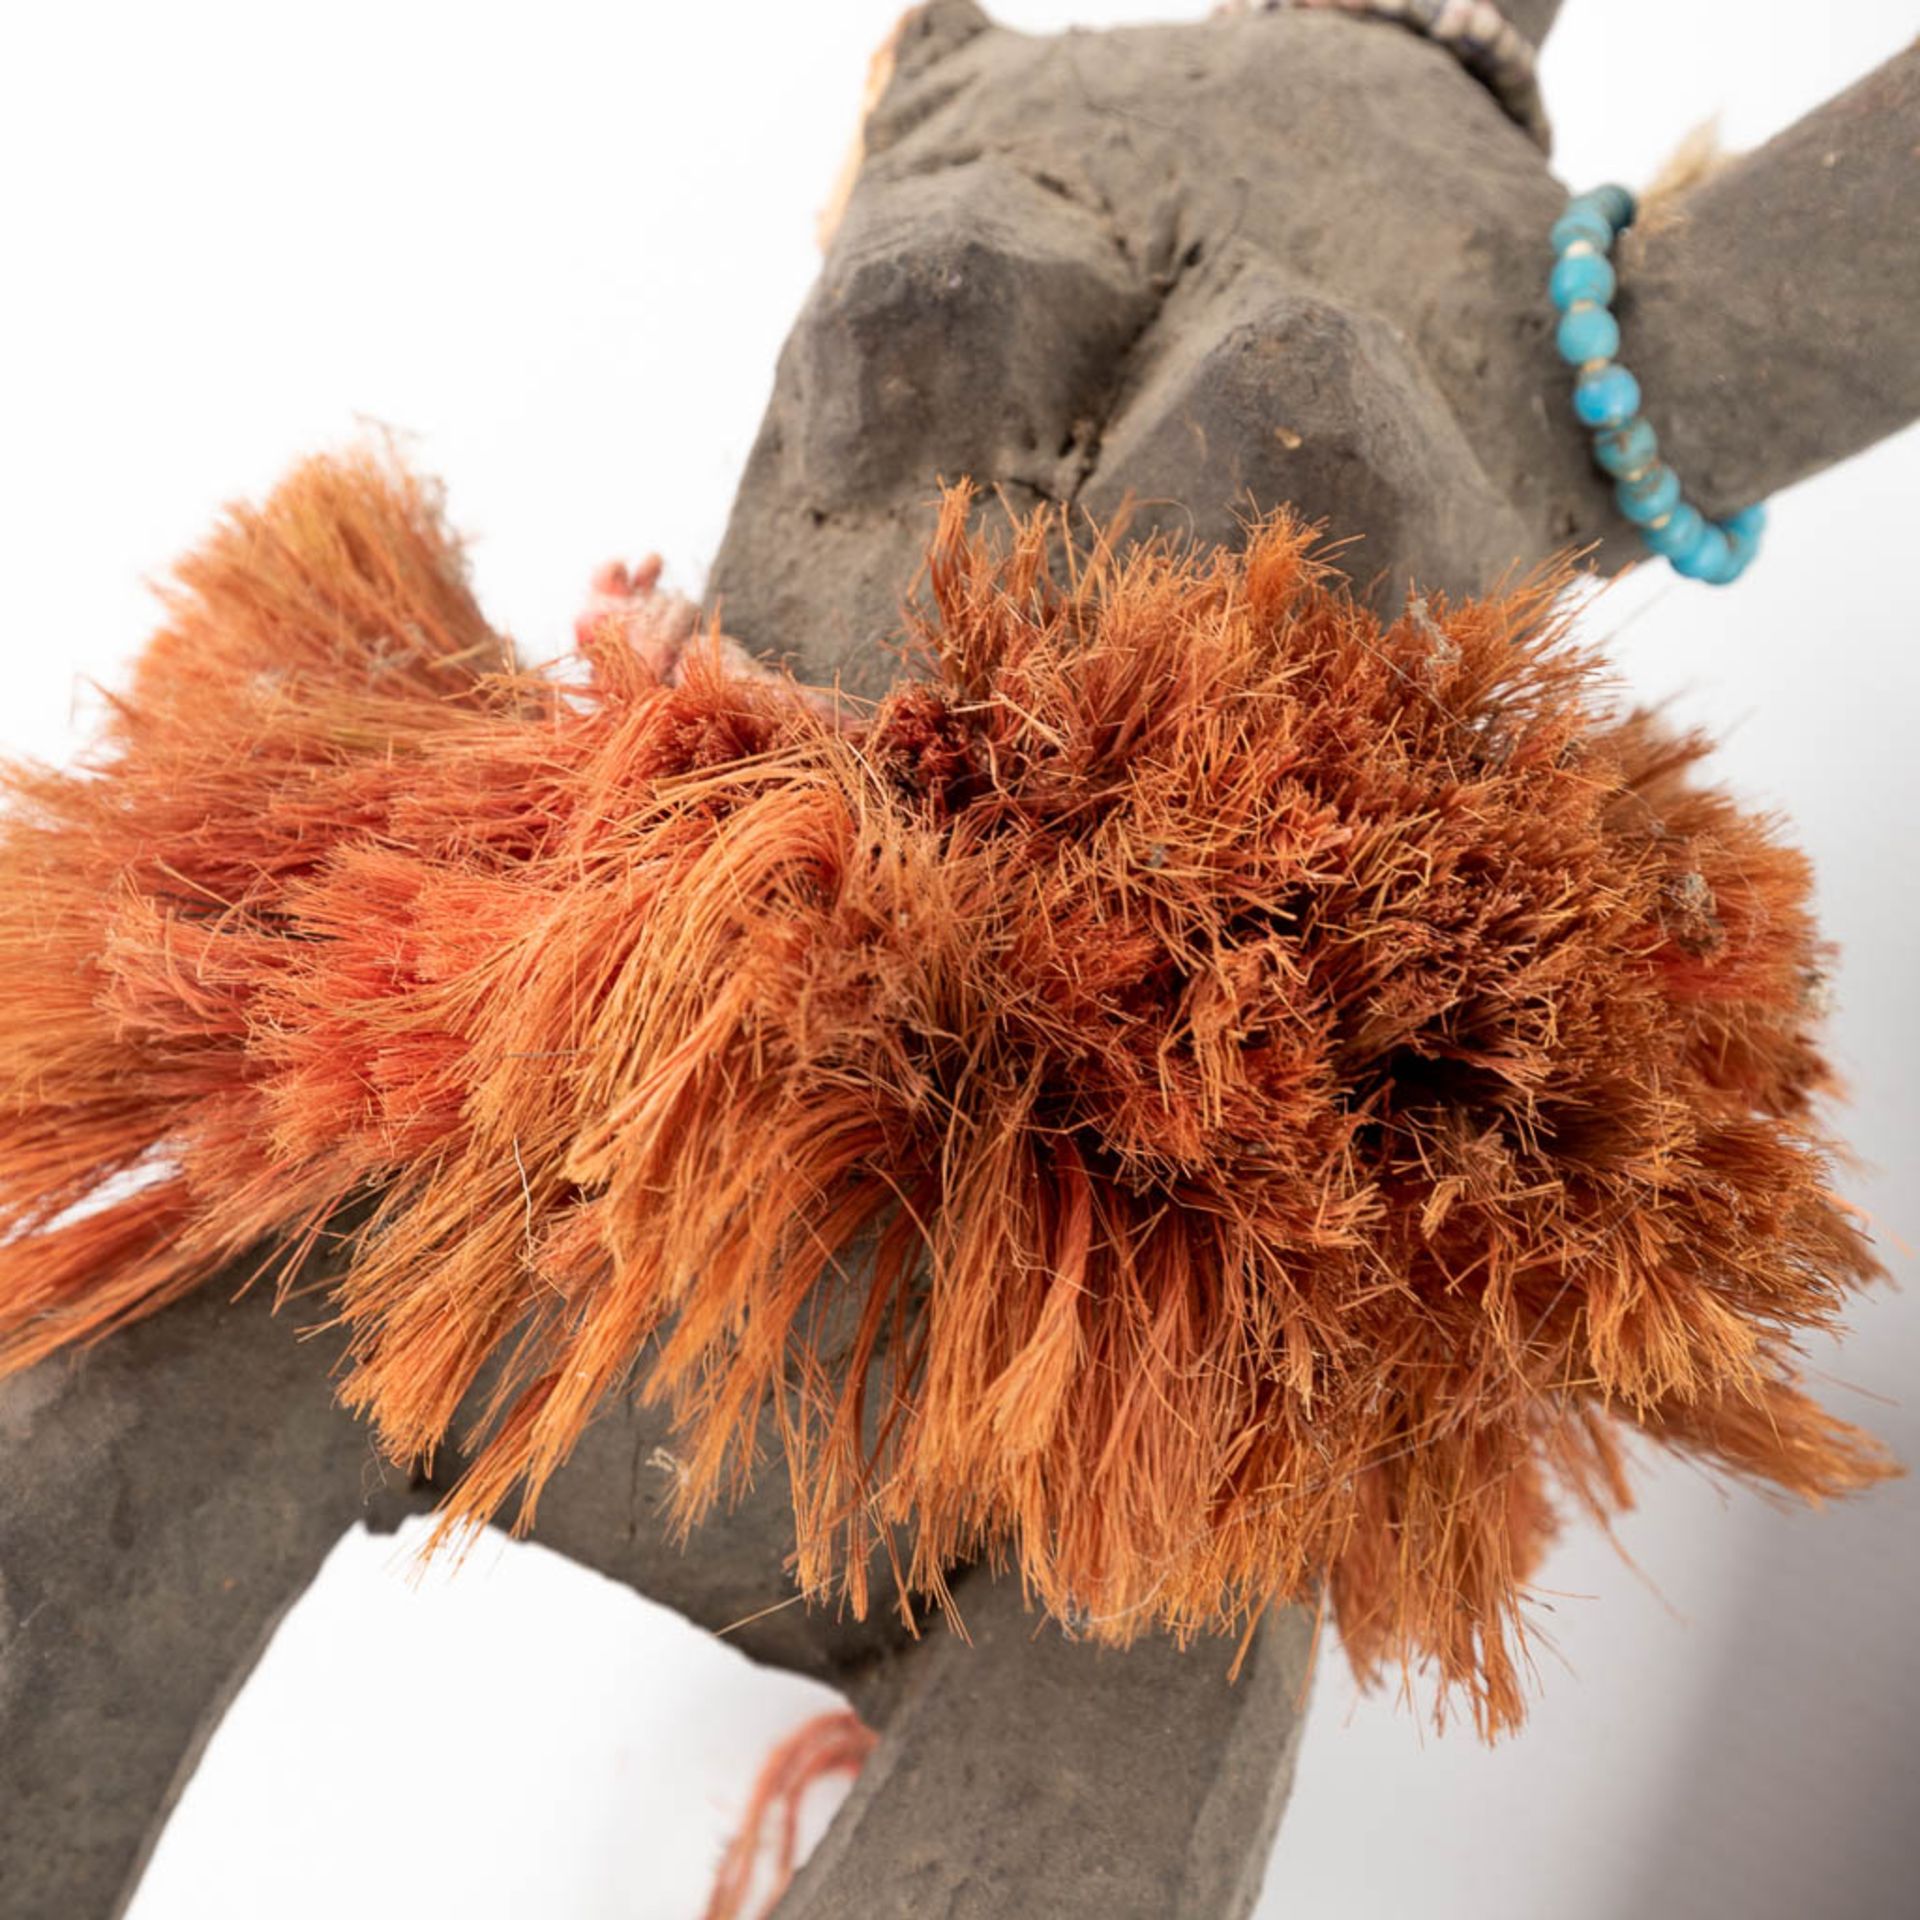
(1210, 1095)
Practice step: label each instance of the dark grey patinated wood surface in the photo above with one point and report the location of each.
(1209, 267)
(1290, 257)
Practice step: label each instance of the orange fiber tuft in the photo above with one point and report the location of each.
(1212, 1095)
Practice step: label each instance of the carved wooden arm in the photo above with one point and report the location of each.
(1770, 310)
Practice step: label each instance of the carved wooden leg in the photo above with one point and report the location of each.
(1027, 1775)
(163, 1500)
(167, 1496)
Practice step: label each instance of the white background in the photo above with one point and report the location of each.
(557, 247)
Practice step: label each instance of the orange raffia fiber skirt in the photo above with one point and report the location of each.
(1213, 1095)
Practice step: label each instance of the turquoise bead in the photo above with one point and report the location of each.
(1743, 534)
(1652, 496)
(1726, 571)
(1710, 558)
(1681, 532)
(1614, 202)
(1587, 333)
(1606, 396)
(1582, 222)
(1581, 276)
(1627, 448)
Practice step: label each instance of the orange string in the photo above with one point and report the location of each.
(829, 1743)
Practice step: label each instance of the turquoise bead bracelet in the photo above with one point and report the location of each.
(1606, 397)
